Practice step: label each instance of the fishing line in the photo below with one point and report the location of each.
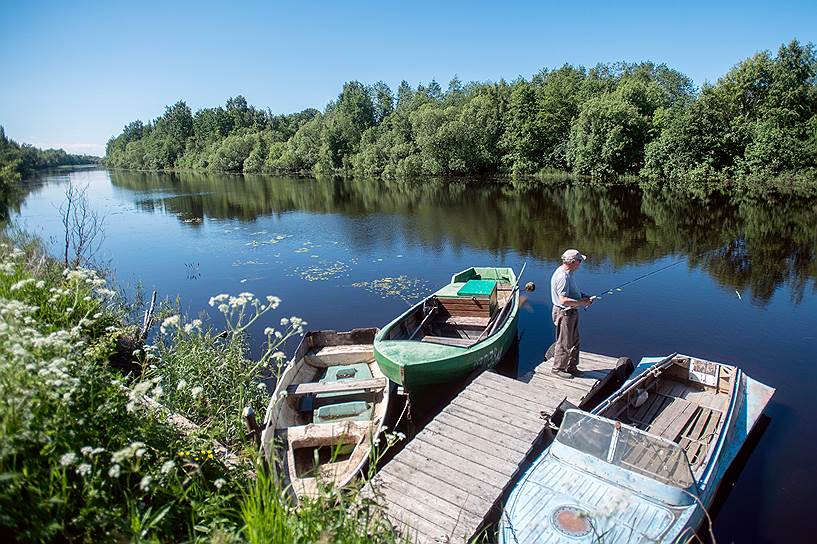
(639, 278)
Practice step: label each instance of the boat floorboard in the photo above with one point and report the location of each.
(451, 478)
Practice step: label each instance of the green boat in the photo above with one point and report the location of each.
(468, 324)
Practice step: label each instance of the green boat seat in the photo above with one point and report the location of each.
(357, 410)
(356, 371)
(477, 288)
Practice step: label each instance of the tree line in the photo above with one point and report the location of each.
(18, 161)
(757, 122)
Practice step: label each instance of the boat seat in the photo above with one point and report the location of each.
(459, 342)
(344, 355)
(340, 374)
(357, 410)
(327, 434)
(465, 322)
(309, 388)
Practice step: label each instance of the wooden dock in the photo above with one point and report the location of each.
(451, 479)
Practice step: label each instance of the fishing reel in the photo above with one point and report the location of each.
(530, 286)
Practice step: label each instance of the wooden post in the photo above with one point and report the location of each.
(253, 430)
(146, 321)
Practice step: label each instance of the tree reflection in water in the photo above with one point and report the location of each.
(747, 243)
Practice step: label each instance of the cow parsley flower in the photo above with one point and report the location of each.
(68, 459)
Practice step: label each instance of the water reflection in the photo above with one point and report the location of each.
(752, 245)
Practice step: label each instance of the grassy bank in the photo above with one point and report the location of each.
(82, 458)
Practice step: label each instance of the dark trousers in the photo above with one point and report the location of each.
(566, 349)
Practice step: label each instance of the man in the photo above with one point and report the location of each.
(567, 299)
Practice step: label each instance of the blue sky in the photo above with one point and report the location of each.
(73, 74)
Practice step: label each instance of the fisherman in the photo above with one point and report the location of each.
(567, 299)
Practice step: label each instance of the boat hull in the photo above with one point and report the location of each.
(293, 437)
(429, 365)
(620, 504)
(416, 364)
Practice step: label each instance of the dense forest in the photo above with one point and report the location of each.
(758, 122)
(18, 161)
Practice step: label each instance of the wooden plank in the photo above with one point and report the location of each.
(485, 432)
(498, 406)
(458, 448)
(448, 341)
(475, 417)
(500, 416)
(520, 389)
(473, 443)
(324, 434)
(672, 419)
(340, 386)
(433, 496)
(454, 461)
(454, 486)
(693, 446)
(411, 528)
(597, 360)
(402, 511)
(571, 388)
(465, 321)
(656, 408)
(528, 405)
(351, 348)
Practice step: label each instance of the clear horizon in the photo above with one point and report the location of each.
(75, 74)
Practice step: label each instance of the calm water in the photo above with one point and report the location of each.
(744, 293)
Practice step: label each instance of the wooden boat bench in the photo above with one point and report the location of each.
(459, 342)
(353, 353)
(341, 386)
(464, 322)
(325, 434)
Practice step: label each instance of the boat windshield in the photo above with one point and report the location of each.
(626, 447)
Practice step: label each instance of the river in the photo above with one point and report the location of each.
(344, 254)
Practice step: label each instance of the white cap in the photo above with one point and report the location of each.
(573, 255)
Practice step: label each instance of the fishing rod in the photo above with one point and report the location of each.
(639, 278)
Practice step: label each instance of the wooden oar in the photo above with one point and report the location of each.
(423, 322)
(500, 316)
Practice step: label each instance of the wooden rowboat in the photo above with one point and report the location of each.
(644, 465)
(326, 412)
(468, 324)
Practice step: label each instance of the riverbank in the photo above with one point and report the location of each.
(755, 124)
(84, 457)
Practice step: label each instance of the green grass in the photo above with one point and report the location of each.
(81, 458)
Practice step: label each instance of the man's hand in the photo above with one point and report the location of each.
(588, 301)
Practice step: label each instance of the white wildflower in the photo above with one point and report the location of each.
(284, 321)
(68, 459)
(274, 302)
(172, 321)
(218, 299)
(261, 386)
(84, 469)
(144, 485)
(40, 284)
(219, 483)
(21, 284)
(279, 355)
(181, 385)
(114, 471)
(167, 466)
(196, 391)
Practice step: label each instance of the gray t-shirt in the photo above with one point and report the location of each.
(562, 283)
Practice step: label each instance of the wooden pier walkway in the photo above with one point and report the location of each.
(449, 480)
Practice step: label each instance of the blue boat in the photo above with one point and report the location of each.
(645, 464)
